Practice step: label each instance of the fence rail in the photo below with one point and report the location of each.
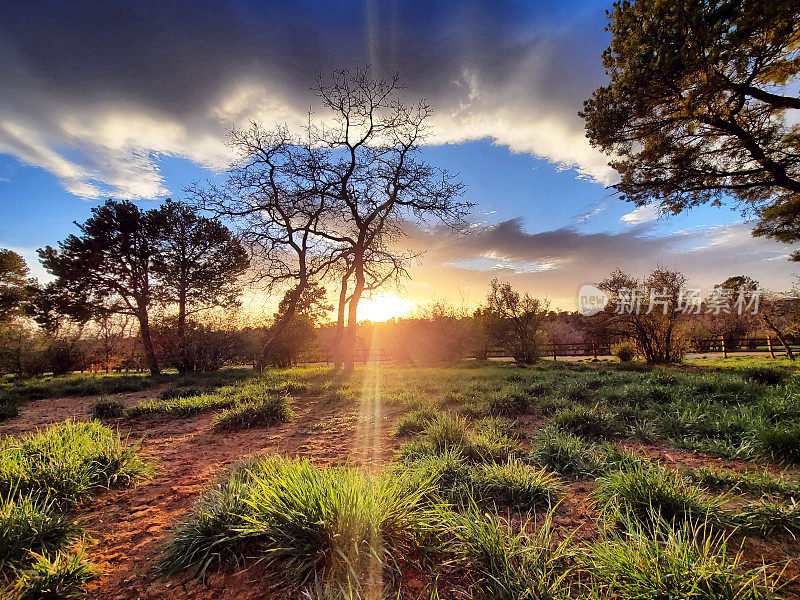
(589, 349)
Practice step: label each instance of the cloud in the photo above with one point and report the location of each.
(643, 214)
(97, 95)
(564, 259)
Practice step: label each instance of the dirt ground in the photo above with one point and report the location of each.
(128, 527)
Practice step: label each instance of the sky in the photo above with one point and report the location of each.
(134, 100)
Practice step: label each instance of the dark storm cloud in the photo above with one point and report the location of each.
(560, 261)
(93, 90)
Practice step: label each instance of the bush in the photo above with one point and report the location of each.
(565, 454)
(302, 521)
(108, 409)
(60, 578)
(650, 494)
(624, 351)
(66, 462)
(261, 412)
(28, 524)
(674, 564)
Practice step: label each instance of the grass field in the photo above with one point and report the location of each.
(560, 480)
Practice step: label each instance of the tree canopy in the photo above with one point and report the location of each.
(700, 108)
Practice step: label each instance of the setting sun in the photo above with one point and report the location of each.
(384, 307)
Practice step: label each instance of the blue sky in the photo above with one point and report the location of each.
(133, 100)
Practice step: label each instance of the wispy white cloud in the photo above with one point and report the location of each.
(643, 214)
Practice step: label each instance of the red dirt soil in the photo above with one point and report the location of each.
(129, 526)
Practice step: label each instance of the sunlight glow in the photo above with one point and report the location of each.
(384, 307)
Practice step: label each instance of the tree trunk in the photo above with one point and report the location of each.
(181, 314)
(280, 325)
(350, 335)
(780, 335)
(147, 342)
(339, 335)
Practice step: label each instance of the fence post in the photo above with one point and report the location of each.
(724, 350)
(769, 345)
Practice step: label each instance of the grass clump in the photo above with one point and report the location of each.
(261, 412)
(516, 484)
(67, 461)
(565, 454)
(183, 406)
(304, 522)
(765, 374)
(766, 518)
(683, 563)
(761, 483)
(649, 494)
(589, 422)
(447, 434)
(59, 578)
(105, 408)
(31, 525)
(414, 422)
(510, 566)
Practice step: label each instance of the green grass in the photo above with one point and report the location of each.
(265, 411)
(59, 578)
(767, 518)
(683, 563)
(507, 565)
(67, 461)
(756, 482)
(31, 525)
(105, 408)
(566, 454)
(649, 494)
(304, 522)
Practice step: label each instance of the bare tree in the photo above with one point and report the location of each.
(336, 196)
(382, 179)
(516, 320)
(648, 311)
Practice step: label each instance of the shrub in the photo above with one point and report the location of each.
(565, 454)
(59, 578)
(108, 409)
(624, 351)
(302, 521)
(262, 412)
(28, 524)
(67, 461)
(649, 494)
(674, 564)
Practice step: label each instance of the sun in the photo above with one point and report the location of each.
(384, 307)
